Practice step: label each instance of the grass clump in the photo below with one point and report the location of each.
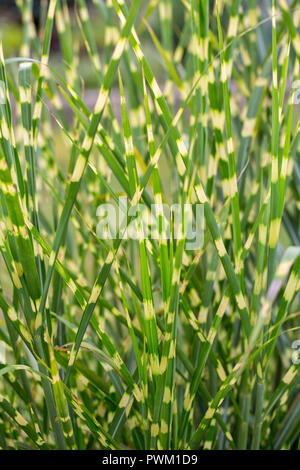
(142, 342)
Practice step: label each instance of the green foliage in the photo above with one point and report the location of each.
(145, 344)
